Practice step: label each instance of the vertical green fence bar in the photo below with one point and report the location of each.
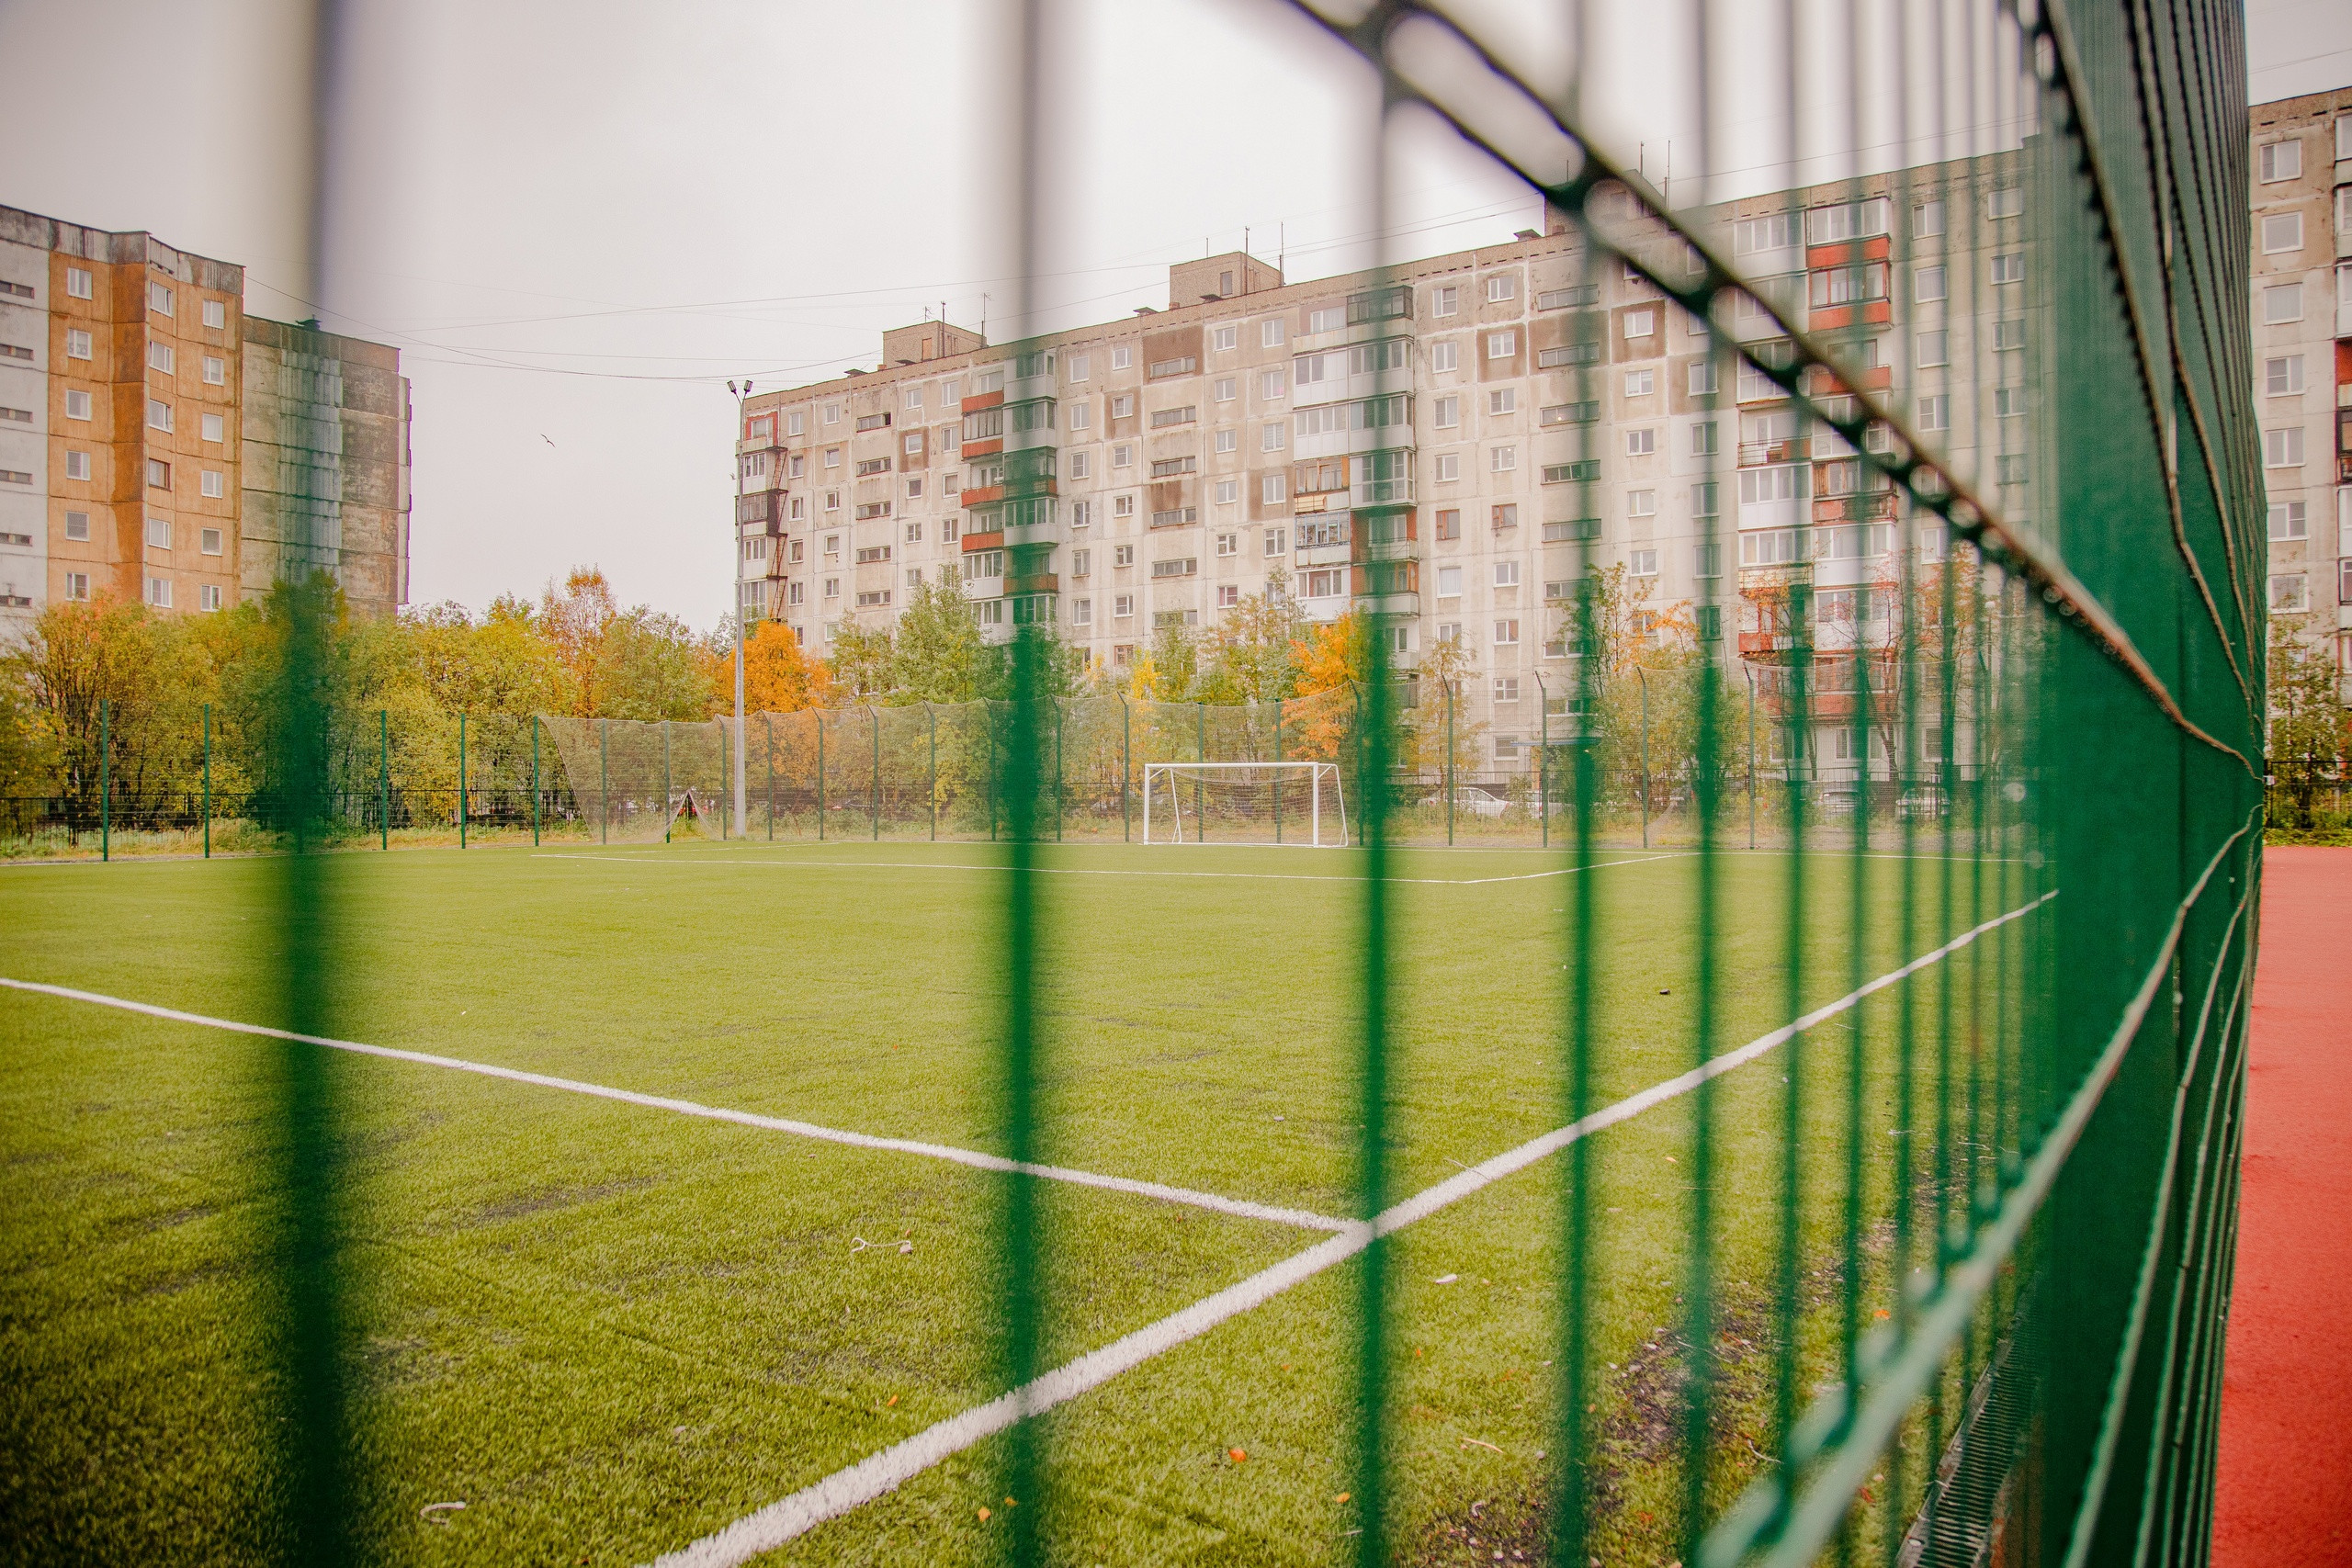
(767, 728)
(874, 720)
(665, 781)
(207, 780)
(820, 774)
(462, 802)
(383, 778)
(105, 779)
(603, 781)
(534, 781)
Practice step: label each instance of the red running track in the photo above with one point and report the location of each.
(2284, 1491)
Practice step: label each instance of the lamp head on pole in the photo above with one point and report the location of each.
(730, 387)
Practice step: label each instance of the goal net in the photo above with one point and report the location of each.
(1244, 803)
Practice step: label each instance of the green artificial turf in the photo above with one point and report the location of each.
(610, 1329)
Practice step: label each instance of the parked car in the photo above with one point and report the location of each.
(1926, 801)
(1476, 800)
(1836, 800)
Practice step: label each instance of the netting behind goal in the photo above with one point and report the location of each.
(1244, 803)
(622, 781)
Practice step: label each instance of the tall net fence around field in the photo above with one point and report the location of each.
(1976, 616)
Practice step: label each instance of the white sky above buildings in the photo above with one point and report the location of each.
(578, 222)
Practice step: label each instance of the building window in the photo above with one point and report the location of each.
(2281, 303)
(2278, 161)
(1702, 439)
(161, 357)
(1123, 607)
(2008, 267)
(2281, 231)
(1706, 560)
(216, 314)
(1706, 498)
(77, 405)
(1933, 349)
(1223, 392)
(1935, 411)
(1081, 611)
(1927, 284)
(2008, 402)
(2283, 448)
(77, 585)
(2290, 593)
(1505, 516)
(1703, 378)
(1641, 323)
(159, 299)
(1272, 435)
(1274, 489)
(2009, 469)
(1501, 345)
(1507, 633)
(2288, 521)
(1501, 285)
(1081, 465)
(2281, 378)
(1444, 356)
(1502, 459)
(1506, 691)
(77, 343)
(77, 465)
(1506, 574)
(1445, 301)
(1641, 563)
(159, 474)
(1502, 400)
(1641, 503)
(1640, 383)
(159, 533)
(1449, 583)
(1641, 443)
(1277, 541)
(77, 524)
(1448, 467)
(2005, 202)
(1228, 595)
(159, 592)
(77, 282)
(159, 414)
(211, 541)
(214, 483)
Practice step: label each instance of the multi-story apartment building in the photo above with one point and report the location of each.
(2302, 333)
(145, 424)
(1446, 445)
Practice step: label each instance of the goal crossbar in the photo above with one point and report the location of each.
(1254, 802)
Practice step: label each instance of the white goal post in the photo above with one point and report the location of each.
(1244, 803)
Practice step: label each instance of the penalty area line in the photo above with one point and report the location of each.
(1239, 1207)
(791, 1517)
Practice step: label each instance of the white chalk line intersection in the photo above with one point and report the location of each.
(788, 1517)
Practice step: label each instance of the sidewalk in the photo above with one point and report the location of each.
(2284, 1491)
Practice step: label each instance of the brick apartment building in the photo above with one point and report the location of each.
(159, 444)
(1449, 446)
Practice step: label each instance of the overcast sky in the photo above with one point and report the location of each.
(577, 221)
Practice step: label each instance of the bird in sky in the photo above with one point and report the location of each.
(544, 436)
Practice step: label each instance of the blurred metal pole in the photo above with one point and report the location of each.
(735, 538)
(207, 780)
(106, 780)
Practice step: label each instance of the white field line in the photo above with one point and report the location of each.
(700, 863)
(1301, 1218)
(837, 1493)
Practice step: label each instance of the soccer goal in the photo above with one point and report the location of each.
(1244, 803)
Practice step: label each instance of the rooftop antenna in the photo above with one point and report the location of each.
(1245, 258)
(1666, 192)
(984, 315)
(1282, 247)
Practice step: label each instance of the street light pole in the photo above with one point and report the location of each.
(735, 535)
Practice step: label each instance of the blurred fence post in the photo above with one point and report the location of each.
(603, 781)
(1750, 671)
(106, 780)
(820, 775)
(534, 781)
(1126, 770)
(1057, 770)
(665, 781)
(1278, 757)
(207, 780)
(1644, 680)
(873, 723)
(1543, 760)
(461, 781)
(768, 724)
(1447, 687)
(930, 714)
(384, 778)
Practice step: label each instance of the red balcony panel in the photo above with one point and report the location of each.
(985, 401)
(1845, 253)
(987, 448)
(1036, 582)
(984, 541)
(983, 496)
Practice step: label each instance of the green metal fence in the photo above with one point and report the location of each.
(2016, 1351)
